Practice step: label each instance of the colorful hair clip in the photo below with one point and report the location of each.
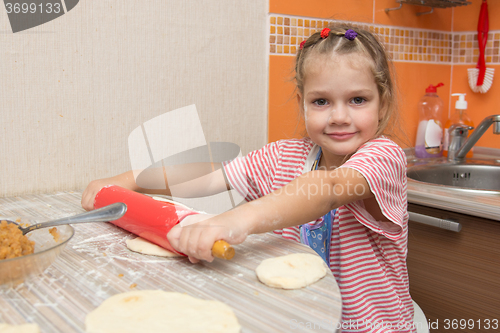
(325, 32)
(350, 34)
(302, 44)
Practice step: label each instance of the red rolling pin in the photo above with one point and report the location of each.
(152, 219)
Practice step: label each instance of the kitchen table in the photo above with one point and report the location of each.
(96, 265)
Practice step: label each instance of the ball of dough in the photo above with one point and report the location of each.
(292, 271)
(157, 311)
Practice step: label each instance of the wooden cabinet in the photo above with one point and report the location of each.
(455, 277)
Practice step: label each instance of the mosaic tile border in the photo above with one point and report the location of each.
(403, 44)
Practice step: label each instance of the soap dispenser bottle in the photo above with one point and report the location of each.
(459, 117)
(430, 129)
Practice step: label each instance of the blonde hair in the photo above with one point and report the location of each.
(365, 43)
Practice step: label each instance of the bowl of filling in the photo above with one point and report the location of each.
(24, 256)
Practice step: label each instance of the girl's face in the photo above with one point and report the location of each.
(340, 103)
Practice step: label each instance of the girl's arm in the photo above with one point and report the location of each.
(185, 181)
(305, 199)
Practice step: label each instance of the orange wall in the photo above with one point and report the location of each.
(464, 17)
(412, 77)
(284, 121)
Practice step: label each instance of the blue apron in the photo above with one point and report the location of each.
(318, 236)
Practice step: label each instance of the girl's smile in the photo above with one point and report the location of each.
(341, 135)
(340, 103)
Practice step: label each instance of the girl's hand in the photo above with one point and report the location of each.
(196, 235)
(90, 192)
(124, 180)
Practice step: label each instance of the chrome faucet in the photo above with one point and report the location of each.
(459, 146)
(457, 136)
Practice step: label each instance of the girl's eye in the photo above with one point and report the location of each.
(320, 102)
(357, 100)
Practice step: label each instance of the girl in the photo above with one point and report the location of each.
(346, 177)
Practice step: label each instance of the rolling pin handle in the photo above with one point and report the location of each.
(223, 250)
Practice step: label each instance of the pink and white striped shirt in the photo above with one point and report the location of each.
(367, 257)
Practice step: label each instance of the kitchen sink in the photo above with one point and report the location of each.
(471, 174)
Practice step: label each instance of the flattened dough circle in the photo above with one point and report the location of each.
(141, 245)
(24, 328)
(156, 311)
(292, 271)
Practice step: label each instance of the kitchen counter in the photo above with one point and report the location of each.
(96, 265)
(484, 204)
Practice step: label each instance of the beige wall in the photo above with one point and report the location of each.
(74, 88)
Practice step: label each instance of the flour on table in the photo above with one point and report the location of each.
(24, 328)
(155, 311)
(142, 246)
(292, 271)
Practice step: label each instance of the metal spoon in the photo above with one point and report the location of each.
(104, 214)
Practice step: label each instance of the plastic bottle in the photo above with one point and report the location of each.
(429, 142)
(459, 117)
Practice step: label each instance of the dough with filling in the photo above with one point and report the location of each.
(142, 246)
(156, 311)
(292, 271)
